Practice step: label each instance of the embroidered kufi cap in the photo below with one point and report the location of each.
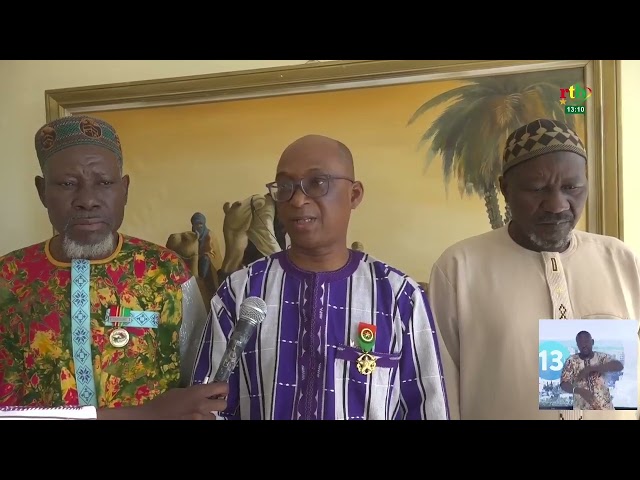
(537, 138)
(75, 130)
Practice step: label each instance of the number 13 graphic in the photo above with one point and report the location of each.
(556, 360)
(551, 358)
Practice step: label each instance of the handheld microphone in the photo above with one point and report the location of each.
(252, 311)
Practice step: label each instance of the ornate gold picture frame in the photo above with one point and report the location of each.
(379, 83)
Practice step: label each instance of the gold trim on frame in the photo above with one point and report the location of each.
(604, 207)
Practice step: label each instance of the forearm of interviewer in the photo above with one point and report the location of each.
(124, 413)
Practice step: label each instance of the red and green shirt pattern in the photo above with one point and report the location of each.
(36, 356)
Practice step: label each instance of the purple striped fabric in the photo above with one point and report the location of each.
(300, 363)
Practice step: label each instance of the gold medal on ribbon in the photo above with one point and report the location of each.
(366, 362)
(119, 337)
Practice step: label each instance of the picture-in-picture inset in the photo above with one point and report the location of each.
(588, 364)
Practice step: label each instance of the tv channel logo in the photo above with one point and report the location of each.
(574, 99)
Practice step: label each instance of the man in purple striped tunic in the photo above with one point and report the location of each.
(346, 336)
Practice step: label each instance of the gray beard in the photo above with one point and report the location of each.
(99, 250)
(549, 245)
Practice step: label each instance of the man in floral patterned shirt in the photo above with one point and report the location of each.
(584, 375)
(93, 317)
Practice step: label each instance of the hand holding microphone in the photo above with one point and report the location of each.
(253, 310)
(203, 401)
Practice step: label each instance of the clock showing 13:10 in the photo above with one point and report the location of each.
(574, 109)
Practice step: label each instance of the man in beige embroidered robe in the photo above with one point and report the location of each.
(489, 292)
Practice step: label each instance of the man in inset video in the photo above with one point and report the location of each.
(584, 375)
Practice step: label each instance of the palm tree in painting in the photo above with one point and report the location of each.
(469, 135)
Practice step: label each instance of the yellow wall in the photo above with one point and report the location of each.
(22, 86)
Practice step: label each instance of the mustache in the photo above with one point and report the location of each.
(83, 217)
(80, 216)
(555, 218)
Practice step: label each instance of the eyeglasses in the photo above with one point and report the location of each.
(312, 187)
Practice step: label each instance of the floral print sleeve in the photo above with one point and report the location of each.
(11, 346)
(169, 329)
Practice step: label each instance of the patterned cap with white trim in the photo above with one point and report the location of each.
(537, 138)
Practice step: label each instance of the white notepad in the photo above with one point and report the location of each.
(44, 413)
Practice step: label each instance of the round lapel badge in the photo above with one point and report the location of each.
(366, 334)
(119, 337)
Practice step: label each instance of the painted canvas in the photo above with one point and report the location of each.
(428, 153)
